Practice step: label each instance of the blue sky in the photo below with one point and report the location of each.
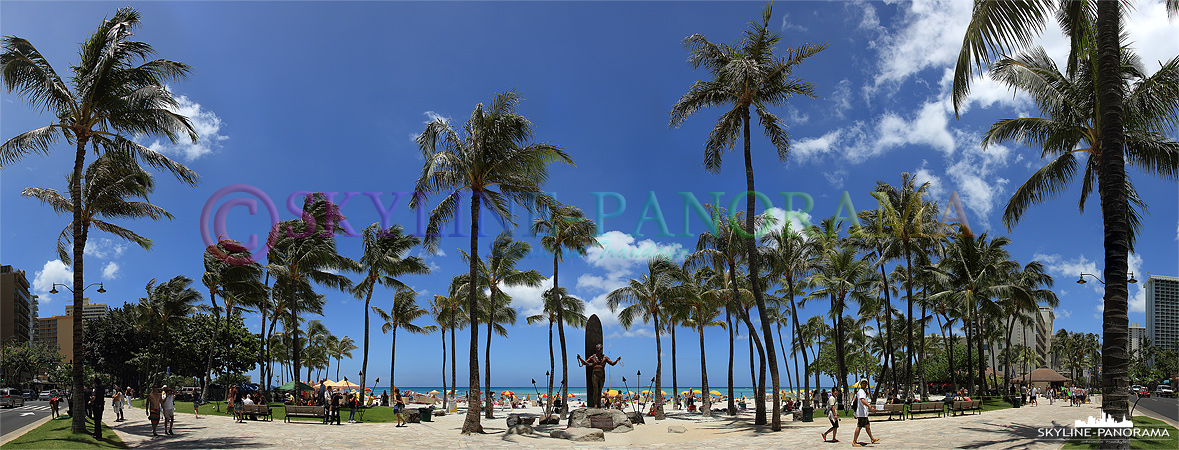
(308, 96)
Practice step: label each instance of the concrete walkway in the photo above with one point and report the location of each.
(1004, 429)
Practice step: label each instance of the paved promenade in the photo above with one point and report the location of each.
(1004, 429)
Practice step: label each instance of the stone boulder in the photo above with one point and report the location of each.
(520, 429)
(676, 429)
(551, 420)
(606, 419)
(624, 428)
(635, 417)
(579, 434)
(513, 420)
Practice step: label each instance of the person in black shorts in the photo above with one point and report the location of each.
(833, 416)
(862, 410)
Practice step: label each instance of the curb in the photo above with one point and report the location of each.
(25, 429)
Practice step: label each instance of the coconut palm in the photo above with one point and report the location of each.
(303, 251)
(165, 304)
(318, 337)
(843, 277)
(230, 271)
(386, 257)
(339, 348)
(645, 300)
(747, 74)
(790, 262)
(1022, 303)
(701, 298)
(494, 274)
(566, 228)
(1004, 27)
(495, 162)
(573, 310)
(115, 92)
(401, 315)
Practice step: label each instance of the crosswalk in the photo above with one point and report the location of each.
(28, 407)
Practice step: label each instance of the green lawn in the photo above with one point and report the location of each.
(56, 434)
(989, 404)
(1169, 443)
(377, 414)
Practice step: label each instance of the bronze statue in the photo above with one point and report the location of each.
(596, 363)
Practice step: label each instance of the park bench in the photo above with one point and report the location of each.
(892, 408)
(926, 407)
(258, 411)
(304, 411)
(961, 406)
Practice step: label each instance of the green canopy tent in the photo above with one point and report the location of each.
(292, 385)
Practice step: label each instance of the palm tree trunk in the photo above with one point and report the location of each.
(364, 362)
(294, 333)
(909, 321)
(453, 362)
(732, 406)
(675, 387)
(564, 349)
(78, 421)
(1007, 356)
(705, 395)
(982, 360)
(1115, 214)
(921, 356)
(658, 394)
(445, 398)
(212, 344)
(968, 325)
(552, 371)
(806, 381)
(782, 345)
(754, 278)
(490, 402)
(840, 350)
(759, 417)
(471, 423)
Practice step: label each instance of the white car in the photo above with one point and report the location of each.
(11, 398)
(45, 395)
(1164, 391)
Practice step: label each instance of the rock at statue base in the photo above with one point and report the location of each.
(520, 429)
(634, 417)
(551, 420)
(579, 434)
(676, 429)
(607, 419)
(624, 428)
(513, 420)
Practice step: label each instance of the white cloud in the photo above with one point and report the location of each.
(619, 252)
(110, 271)
(53, 271)
(937, 191)
(807, 149)
(1065, 269)
(928, 127)
(835, 178)
(798, 220)
(1138, 298)
(528, 300)
(207, 126)
(1065, 313)
(841, 97)
(104, 248)
(787, 26)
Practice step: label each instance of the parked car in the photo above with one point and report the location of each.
(1164, 391)
(186, 394)
(1143, 391)
(45, 395)
(30, 394)
(11, 398)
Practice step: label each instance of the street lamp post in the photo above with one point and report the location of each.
(77, 403)
(1081, 280)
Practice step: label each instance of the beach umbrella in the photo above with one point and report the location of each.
(571, 395)
(368, 389)
(330, 383)
(346, 384)
(714, 392)
(544, 395)
(612, 393)
(507, 393)
(433, 392)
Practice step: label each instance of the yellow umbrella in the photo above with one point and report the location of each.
(612, 393)
(346, 384)
(329, 383)
(714, 392)
(433, 392)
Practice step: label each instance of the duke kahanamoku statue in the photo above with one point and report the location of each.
(597, 364)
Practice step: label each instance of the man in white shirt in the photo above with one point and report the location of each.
(169, 407)
(862, 409)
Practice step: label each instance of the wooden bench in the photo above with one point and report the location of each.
(926, 407)
(258, 411)
(304, 411)
(961, 406)
(892, 408)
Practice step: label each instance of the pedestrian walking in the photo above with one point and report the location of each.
(169, 408)
(153, 409)
(862, 410)
(337, 403)
(117, 405)
(398, 406)
(833, 416)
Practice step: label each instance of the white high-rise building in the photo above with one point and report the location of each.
(1162, 311)
(1137, 334)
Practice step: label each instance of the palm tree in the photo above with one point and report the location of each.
(1022, 303)
(340, 348)
(303, 251)
(404, 311)
(1005, 27)
(790, 261)
(166, 303)
(231, 272)
(573, 310)
(746, 75)
(841, 278)
(702, 297)
(114, 92)
(385, 259)
(566, 228)
(497, 272)
(438, 312)
(646, 298)
(495, 162)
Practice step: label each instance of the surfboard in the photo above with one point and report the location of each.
(593, 338)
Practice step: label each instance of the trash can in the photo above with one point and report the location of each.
(808, 414)
(426, 414)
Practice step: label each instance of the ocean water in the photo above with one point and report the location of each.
(579, 393)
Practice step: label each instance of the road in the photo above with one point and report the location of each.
(15, 418)
(1166, 407)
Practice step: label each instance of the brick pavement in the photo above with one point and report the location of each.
(1004, 429)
